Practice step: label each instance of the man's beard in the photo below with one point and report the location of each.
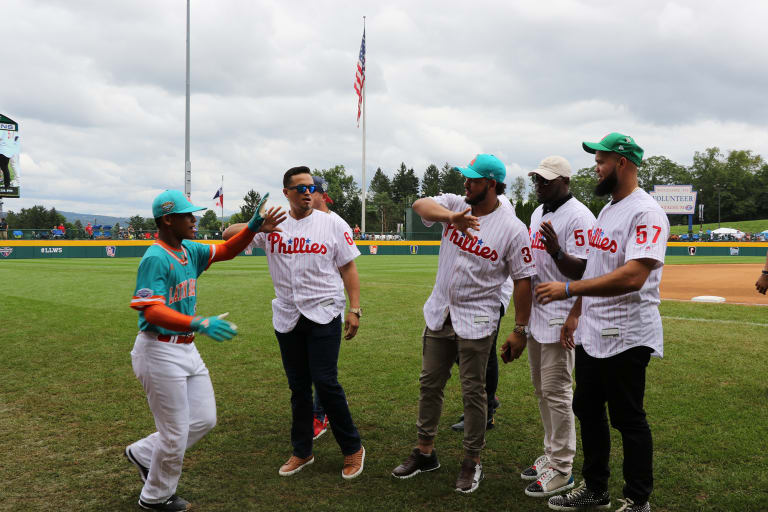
(479, 199)
(606, 186)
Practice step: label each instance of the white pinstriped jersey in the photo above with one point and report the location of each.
(634, 228)
(471, 271)
(572, 222)
(304, 261)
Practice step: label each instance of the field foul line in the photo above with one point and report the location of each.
(713, 320)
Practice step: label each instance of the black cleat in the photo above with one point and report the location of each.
(143, 471)
(174, 504)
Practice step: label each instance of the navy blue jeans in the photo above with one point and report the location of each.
(310, 354)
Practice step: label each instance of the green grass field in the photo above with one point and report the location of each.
(747, 226)
(69, 402)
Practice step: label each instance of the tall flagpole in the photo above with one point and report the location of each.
(362, 222)
(222, 198)
(187, 163)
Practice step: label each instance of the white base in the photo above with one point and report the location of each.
(708, 298)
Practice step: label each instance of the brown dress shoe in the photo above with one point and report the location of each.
(353, 464)
(295, 464)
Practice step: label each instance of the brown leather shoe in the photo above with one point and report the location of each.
(295, 464)
(353, 464)
(469, 477)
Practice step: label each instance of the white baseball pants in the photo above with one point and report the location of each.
(552, 377)
(181, 399)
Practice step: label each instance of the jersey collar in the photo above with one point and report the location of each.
(554, 205)
(183, 258)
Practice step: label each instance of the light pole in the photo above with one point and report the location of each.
(718, 205)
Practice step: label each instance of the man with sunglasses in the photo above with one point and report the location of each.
(483, 243)
(616, 318)
(312, 263)
(559, 219)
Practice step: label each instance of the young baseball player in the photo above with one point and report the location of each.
(762, 282)
(483, 243)
(312, 263)
(618, 327)
(164, 356)
(560, 218)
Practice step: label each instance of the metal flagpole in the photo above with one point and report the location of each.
(222, 198)
(187, 163)
(362, 222)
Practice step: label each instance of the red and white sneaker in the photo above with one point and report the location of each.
(320, 427)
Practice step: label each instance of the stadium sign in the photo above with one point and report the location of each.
(675, 199)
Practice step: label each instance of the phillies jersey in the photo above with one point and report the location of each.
(634, 228)
(169, 277)
(572, 222)
(304, 261)
(471, 270)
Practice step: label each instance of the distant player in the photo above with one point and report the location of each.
(483, 243)
(165, 359)
(619, 328)
(312, 263)
(762, 283)
(559, 230)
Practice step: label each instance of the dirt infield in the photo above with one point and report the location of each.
(734, 282)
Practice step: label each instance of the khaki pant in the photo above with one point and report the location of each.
(4, 235)
(552, 377)
(439, 352)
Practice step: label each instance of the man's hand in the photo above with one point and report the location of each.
(513, 347)
(215, 327)
(547, 292)
(464, 222)
(351, 324)
(274, 217)
(762, 284)
(566, 332)
(550, 238)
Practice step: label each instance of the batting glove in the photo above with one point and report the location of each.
(258, 217)
(215, 327)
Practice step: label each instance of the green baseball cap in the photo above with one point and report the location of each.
(484, 166)
(617, 143)
(173, 201)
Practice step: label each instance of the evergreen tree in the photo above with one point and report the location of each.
(451, 181)
(430, 183)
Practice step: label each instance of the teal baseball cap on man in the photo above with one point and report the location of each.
(173, 201)
(617, 143)
(484, 166)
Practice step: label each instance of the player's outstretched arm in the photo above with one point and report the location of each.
(214, 326)
(428, 209)
(262, 221)
(569, 327)
(351, 281)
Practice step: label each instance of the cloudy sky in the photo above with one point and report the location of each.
(98, 87)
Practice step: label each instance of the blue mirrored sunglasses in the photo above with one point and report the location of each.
(303, 188)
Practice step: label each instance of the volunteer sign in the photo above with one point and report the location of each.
(675, 199)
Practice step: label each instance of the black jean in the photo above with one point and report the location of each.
(310, 354)
(619, 381)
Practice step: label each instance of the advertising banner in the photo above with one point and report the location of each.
(675, 199)
(9, 157)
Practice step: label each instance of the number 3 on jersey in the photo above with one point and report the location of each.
(526, 254)
(642, 234)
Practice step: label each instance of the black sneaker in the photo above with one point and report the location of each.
(174, 503)
(581, 498)
(495, 403)
(469, 477)
(416, 463)
(627, 505)
(459, 427)
(143, 470)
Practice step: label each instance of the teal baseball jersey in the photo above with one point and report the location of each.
(169, 277)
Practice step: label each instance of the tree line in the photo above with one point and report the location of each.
(738, 180)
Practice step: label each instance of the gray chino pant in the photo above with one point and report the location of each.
(439, 352)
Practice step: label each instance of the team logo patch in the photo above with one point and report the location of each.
(144, 293)
(6, 251)
(168, 206)
(373, 248)
(414, 249)
(111, 250)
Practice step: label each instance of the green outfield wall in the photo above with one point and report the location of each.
(30, 249)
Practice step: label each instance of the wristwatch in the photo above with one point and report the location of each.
(357, 311)
(521, 329)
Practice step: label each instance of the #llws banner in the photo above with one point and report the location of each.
(10, 148)
(675, 199)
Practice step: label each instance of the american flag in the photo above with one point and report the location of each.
(360, 77)
(219, 197)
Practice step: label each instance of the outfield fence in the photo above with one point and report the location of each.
(29, 249)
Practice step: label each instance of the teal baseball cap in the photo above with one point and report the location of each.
(173, 201)
(617, 143)
(484, 166)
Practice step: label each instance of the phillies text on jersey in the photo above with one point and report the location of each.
(634, 228)
(471, 270)
(572, 222)
(304, 261)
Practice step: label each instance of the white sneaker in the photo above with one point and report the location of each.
(537, 468)
(550, 482)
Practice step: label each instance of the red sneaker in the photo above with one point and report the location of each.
(320, 427)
